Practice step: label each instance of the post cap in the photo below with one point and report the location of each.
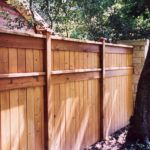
(102, 39)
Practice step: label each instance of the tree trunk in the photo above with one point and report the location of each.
(139, 129)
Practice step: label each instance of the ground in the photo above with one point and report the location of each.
(118, 142)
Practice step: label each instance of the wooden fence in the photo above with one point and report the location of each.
(61, 94)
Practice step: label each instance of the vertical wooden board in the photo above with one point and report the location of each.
(113, 116)
(21, 60)
(117, 60)
(72, 60)
(117, 104)
(62, 116)
(124, 83)
(4, 62)
(56, 60)
(51, 118)
(127, 60)
(113, 60)
(98, 60)
(67, 60)
(52, 60)
(14, 113)
(62, 60)
(108, 109)
(128, 97)
(123, 60)
(13, 60)
(124, 92)
(122, 101)
(90, 111)
(92, 60)
(92, 115)
(85, 58)
(36, 60)
(72, 114)
(57, 116)
(5, 121)
(82, 60)
(106, 60)
(22, 119)
(42, 114)
(105, 108)
(81, 115)
(77, 119)
(94, 110)
(113, 103)
(29, 60)
(109, 60)
(37, 119)
(41, 61)
(123, 95)
(67, 114)
(76, 60)
(86, 113)
(97, 92)
(131, 60)
(120, 59)
(89, 60)
(30, 118)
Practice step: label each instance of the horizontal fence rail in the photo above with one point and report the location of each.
(62, 94)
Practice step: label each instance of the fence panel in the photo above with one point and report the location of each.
(75, 102)
(118, 100)
(21, 92)
(73, 96)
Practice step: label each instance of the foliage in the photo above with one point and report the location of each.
(92, 19)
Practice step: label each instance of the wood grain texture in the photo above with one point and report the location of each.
(17, 41)
(51, 92)
(5, 121)
(63, 45)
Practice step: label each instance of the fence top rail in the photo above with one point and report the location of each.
(28, 34)
(75, 40)
(119, 45)
(21, 33)
(89, 42)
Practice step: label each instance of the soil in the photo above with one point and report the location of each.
(117, 141)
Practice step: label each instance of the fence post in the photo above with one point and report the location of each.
(102, 84)
(47, 89)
